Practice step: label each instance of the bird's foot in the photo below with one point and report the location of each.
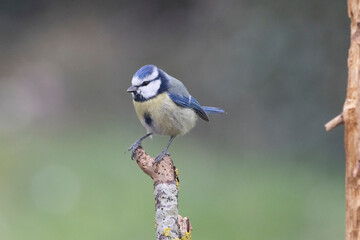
(133, 147)
(161, 156)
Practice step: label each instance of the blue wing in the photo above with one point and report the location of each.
(189, 102)
(213, 110)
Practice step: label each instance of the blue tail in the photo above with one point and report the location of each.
(212, 110)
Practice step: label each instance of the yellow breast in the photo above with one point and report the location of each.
(167, 118)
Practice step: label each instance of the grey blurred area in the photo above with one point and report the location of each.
(278, 68)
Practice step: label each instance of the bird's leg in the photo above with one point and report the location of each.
(136, 144)
(162, 154)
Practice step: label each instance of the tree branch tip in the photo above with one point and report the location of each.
(333, 123)
(161, 172)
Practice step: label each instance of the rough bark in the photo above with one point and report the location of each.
(350, 117)
(169, 225)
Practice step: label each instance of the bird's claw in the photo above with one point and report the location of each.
(161, 156)
(133, 147)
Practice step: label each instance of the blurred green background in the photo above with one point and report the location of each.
(266, 170)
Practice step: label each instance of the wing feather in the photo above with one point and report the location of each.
(189, 102)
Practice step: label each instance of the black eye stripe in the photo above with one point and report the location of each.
(145, 83)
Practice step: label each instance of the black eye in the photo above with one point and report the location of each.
(145, 83)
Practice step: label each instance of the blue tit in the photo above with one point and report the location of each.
(164, 106)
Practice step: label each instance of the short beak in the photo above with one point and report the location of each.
(132, 89)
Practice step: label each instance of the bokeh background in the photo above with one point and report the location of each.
(266, 170)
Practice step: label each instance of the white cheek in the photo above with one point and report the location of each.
(151, 89)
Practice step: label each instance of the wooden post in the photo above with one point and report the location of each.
(350, 117)
(169, 225)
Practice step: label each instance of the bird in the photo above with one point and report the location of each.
(164, 106)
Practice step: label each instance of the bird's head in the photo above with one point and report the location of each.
(147, 82)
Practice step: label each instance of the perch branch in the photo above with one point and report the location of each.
(169, 225)
(333, 123)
